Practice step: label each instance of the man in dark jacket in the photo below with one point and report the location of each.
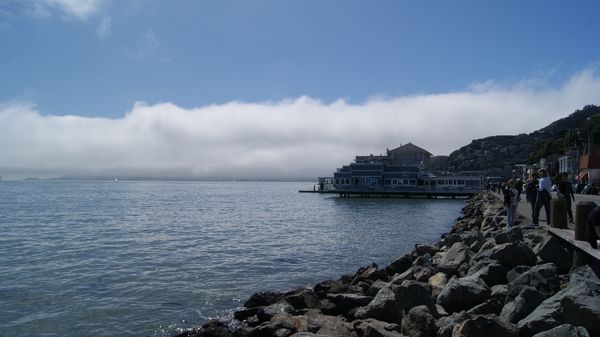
(565, 190)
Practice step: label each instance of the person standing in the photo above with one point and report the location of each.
(512, 202)
(531, 191)
(565, 189)
(544, 194)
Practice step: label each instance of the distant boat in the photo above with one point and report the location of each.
(116, 180)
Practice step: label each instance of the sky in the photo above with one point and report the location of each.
(278, 89)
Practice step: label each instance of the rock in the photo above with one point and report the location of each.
(584, 288)
(447, 324)
(245, 313)
(437, 282)
(456, 260)
(376, 286)
(212, 328)
(463, 294)
(279, 308)
(383, 307)
(543, 278)
(261, 299)
(499, 292)
(516, 272)
(407, 275)
(305, 299)
(509, 235)
(422, 274)
(523, 304)
(329, 287)
(308, 334)
(485, 325)
(375, 328)
(491, 306)
(451, 239)
(507, 254)
(419, 322)
(347, 302)
(423, 261)
(426, 249)
(565, 330)
(491, 272)
(400, 265)
(281, 326)
(333, 326)
(553, 251)
(371, 273)
(472, 239)
(413, 293)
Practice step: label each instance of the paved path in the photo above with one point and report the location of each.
(524, 207)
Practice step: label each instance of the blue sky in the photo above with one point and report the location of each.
(65, 62)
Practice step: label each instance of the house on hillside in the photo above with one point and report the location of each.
(409, 155)
(589, 168)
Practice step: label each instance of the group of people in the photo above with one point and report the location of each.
(538, 192)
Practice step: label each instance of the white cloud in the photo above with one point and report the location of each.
(80, 9)
(299, 137)
(104, 27)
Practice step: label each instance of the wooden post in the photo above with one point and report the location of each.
(558, 213)
(582, 210)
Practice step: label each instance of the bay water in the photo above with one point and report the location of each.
(103, 258)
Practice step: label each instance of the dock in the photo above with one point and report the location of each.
(395, 194)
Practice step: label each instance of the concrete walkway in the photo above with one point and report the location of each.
(524, 208)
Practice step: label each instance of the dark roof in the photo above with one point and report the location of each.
(410, 148)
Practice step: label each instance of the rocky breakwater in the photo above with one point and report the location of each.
(481, 279)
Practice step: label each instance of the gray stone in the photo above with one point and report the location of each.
(419, 322)
(509, 235)
(447, 324)
(543, 278)
(426, 249)
(583, 288)
(280, 308)
(457, 256)
(485, 325)
(305, 299)
(509, 254)
(463, 294)
(375, 328)
(383, 307)
(565, 330)
(553, 251)
(491, 272)
(400, 264)
(516, 272)
(262, 299)
(347, 302)
(413, 293)
(524, 303)
(491, 306)
(333, 326)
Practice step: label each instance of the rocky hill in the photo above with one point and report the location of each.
(497, 154)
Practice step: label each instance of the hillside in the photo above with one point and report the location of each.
(497, 154)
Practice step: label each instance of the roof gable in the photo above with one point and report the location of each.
(409, 148)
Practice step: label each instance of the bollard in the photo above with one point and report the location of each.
(582, 210)
(558, 213)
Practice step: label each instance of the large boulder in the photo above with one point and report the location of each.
(577, 304)
(413, 293)
(553, 251)
(565, 330)
(347, 302)
(304, 299)
(447, 324)
(375, 328)
(463, 294)
(485, 325)
(400, 264)
(333, 326)
(419, 322)
(456, 260)
(522, 305)
(490, 271)
(261, 299)
(509, 235)
(508, 254)
(383, 307)
(543, 278)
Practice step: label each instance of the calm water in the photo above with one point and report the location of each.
(150, 258)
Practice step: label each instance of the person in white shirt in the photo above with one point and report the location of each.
(543, 197)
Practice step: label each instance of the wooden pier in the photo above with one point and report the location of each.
(395, 194)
